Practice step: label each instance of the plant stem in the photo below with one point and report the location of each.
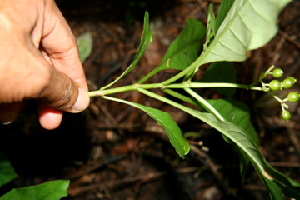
(173, 85)
(207, 106)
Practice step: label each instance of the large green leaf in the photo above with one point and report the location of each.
(166, 121)
(7, 173)
(145, 40)
(249, 24)
(54, 190)
(85, 45)
(183, 50)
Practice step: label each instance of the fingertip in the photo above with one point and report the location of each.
(82, 101)
(49, 118)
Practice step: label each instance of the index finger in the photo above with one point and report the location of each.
(60, 46)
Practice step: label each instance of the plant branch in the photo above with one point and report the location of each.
(173, 85)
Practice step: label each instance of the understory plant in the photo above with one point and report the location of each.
(238, 27)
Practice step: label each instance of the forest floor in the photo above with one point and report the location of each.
(112, 151)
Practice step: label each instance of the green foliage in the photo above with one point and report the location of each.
(249, 24)
(240, 26)
(237, 113)
(85, 45)
(54, 190)
(166, 121)
(183, 50)
(7, 173)
(145, 40)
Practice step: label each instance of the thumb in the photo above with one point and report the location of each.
(62, 93)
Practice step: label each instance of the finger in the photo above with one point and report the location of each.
(49, 118)
(60, 45)
(62, 93)
(9, 111)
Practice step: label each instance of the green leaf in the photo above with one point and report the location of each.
(221, 72)
(166, 121)
(242, 140)
(211, 26)
(54, 190)
(183, 50)
(249, 24)
(288, 186)
(223, 10)
(273, 188)
(85, 45)
(237, 113)
(233, 132)
(7, 173)
(145, 40)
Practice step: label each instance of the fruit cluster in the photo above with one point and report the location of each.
(276, 85)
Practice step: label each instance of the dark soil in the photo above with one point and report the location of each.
(112, 151)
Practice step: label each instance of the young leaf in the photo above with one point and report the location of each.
(54, 190)
(183, 50)
(7, 173)
(221, 72)
(85, 45)
(165, 120)
(145, 40)
(211, 26)
(249, 24)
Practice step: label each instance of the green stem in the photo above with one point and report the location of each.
(168, 101)
(181, 97)
(174, 85)
(207, 106)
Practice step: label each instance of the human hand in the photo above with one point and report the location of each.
(39, 60)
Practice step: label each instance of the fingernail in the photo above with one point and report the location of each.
(9, 118)
(82, 102)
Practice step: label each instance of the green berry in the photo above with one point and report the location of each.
(277, 73)
(275, 85)
(286, 115)
(288, 82)
(293, 97)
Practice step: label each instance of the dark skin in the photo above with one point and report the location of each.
(39, 60)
